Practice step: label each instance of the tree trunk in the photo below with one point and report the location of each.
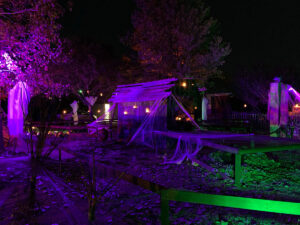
(91, 214)
(32, 193)
(93, 192)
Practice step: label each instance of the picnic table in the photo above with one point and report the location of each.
(237, 144)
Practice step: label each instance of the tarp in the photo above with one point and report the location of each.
(18, 100)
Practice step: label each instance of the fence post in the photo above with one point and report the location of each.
(238, 169)
(164, 208)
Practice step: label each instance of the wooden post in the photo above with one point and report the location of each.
(164, 209)
(237, 169)
(252, 143)
(59, 158)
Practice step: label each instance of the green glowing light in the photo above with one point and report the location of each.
(265, 205)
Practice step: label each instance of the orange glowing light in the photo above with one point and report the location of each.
(183, 84)
(147, 110)
(125, 112)
(64, 111)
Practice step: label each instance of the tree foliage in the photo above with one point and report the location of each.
(177, 38)
(30, 41)
(90, 70)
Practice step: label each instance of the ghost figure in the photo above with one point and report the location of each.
(91, 100)
(75, 107)
(18, 100)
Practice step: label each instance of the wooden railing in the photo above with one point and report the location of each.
(291, 208)
(166, 195)
(248, 116)
(256, 121)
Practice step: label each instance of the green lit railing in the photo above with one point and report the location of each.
(292, 208)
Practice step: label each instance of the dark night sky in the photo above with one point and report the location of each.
(261, 32)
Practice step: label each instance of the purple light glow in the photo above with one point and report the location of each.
(295, 92)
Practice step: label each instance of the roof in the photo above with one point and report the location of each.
(140, 92)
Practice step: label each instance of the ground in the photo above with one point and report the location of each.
(61, 195)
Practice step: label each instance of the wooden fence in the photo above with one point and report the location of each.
(256, 121)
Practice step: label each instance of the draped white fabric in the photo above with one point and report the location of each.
(75, 107)
(18, 100)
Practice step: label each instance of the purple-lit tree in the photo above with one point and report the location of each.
(177, 38)
(30, 41)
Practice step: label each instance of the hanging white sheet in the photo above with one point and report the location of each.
(18, 100)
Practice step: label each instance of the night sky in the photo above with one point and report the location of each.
(261, 32)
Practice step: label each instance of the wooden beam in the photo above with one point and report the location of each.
(271, 149)
(220, 147)
(291, 208)
(187, 113)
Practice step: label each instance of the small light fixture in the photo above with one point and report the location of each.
(177, 118)
(64, 111)
(101, 94)
(297, 106)
(245, 105)
(183, 84)
(147, 110)
(125, 112)
(98, 111)
(195, 107)
(134, 106)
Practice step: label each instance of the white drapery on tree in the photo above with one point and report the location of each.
(204, 107)
(18, 100)
(75, 107)
(91, 100)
